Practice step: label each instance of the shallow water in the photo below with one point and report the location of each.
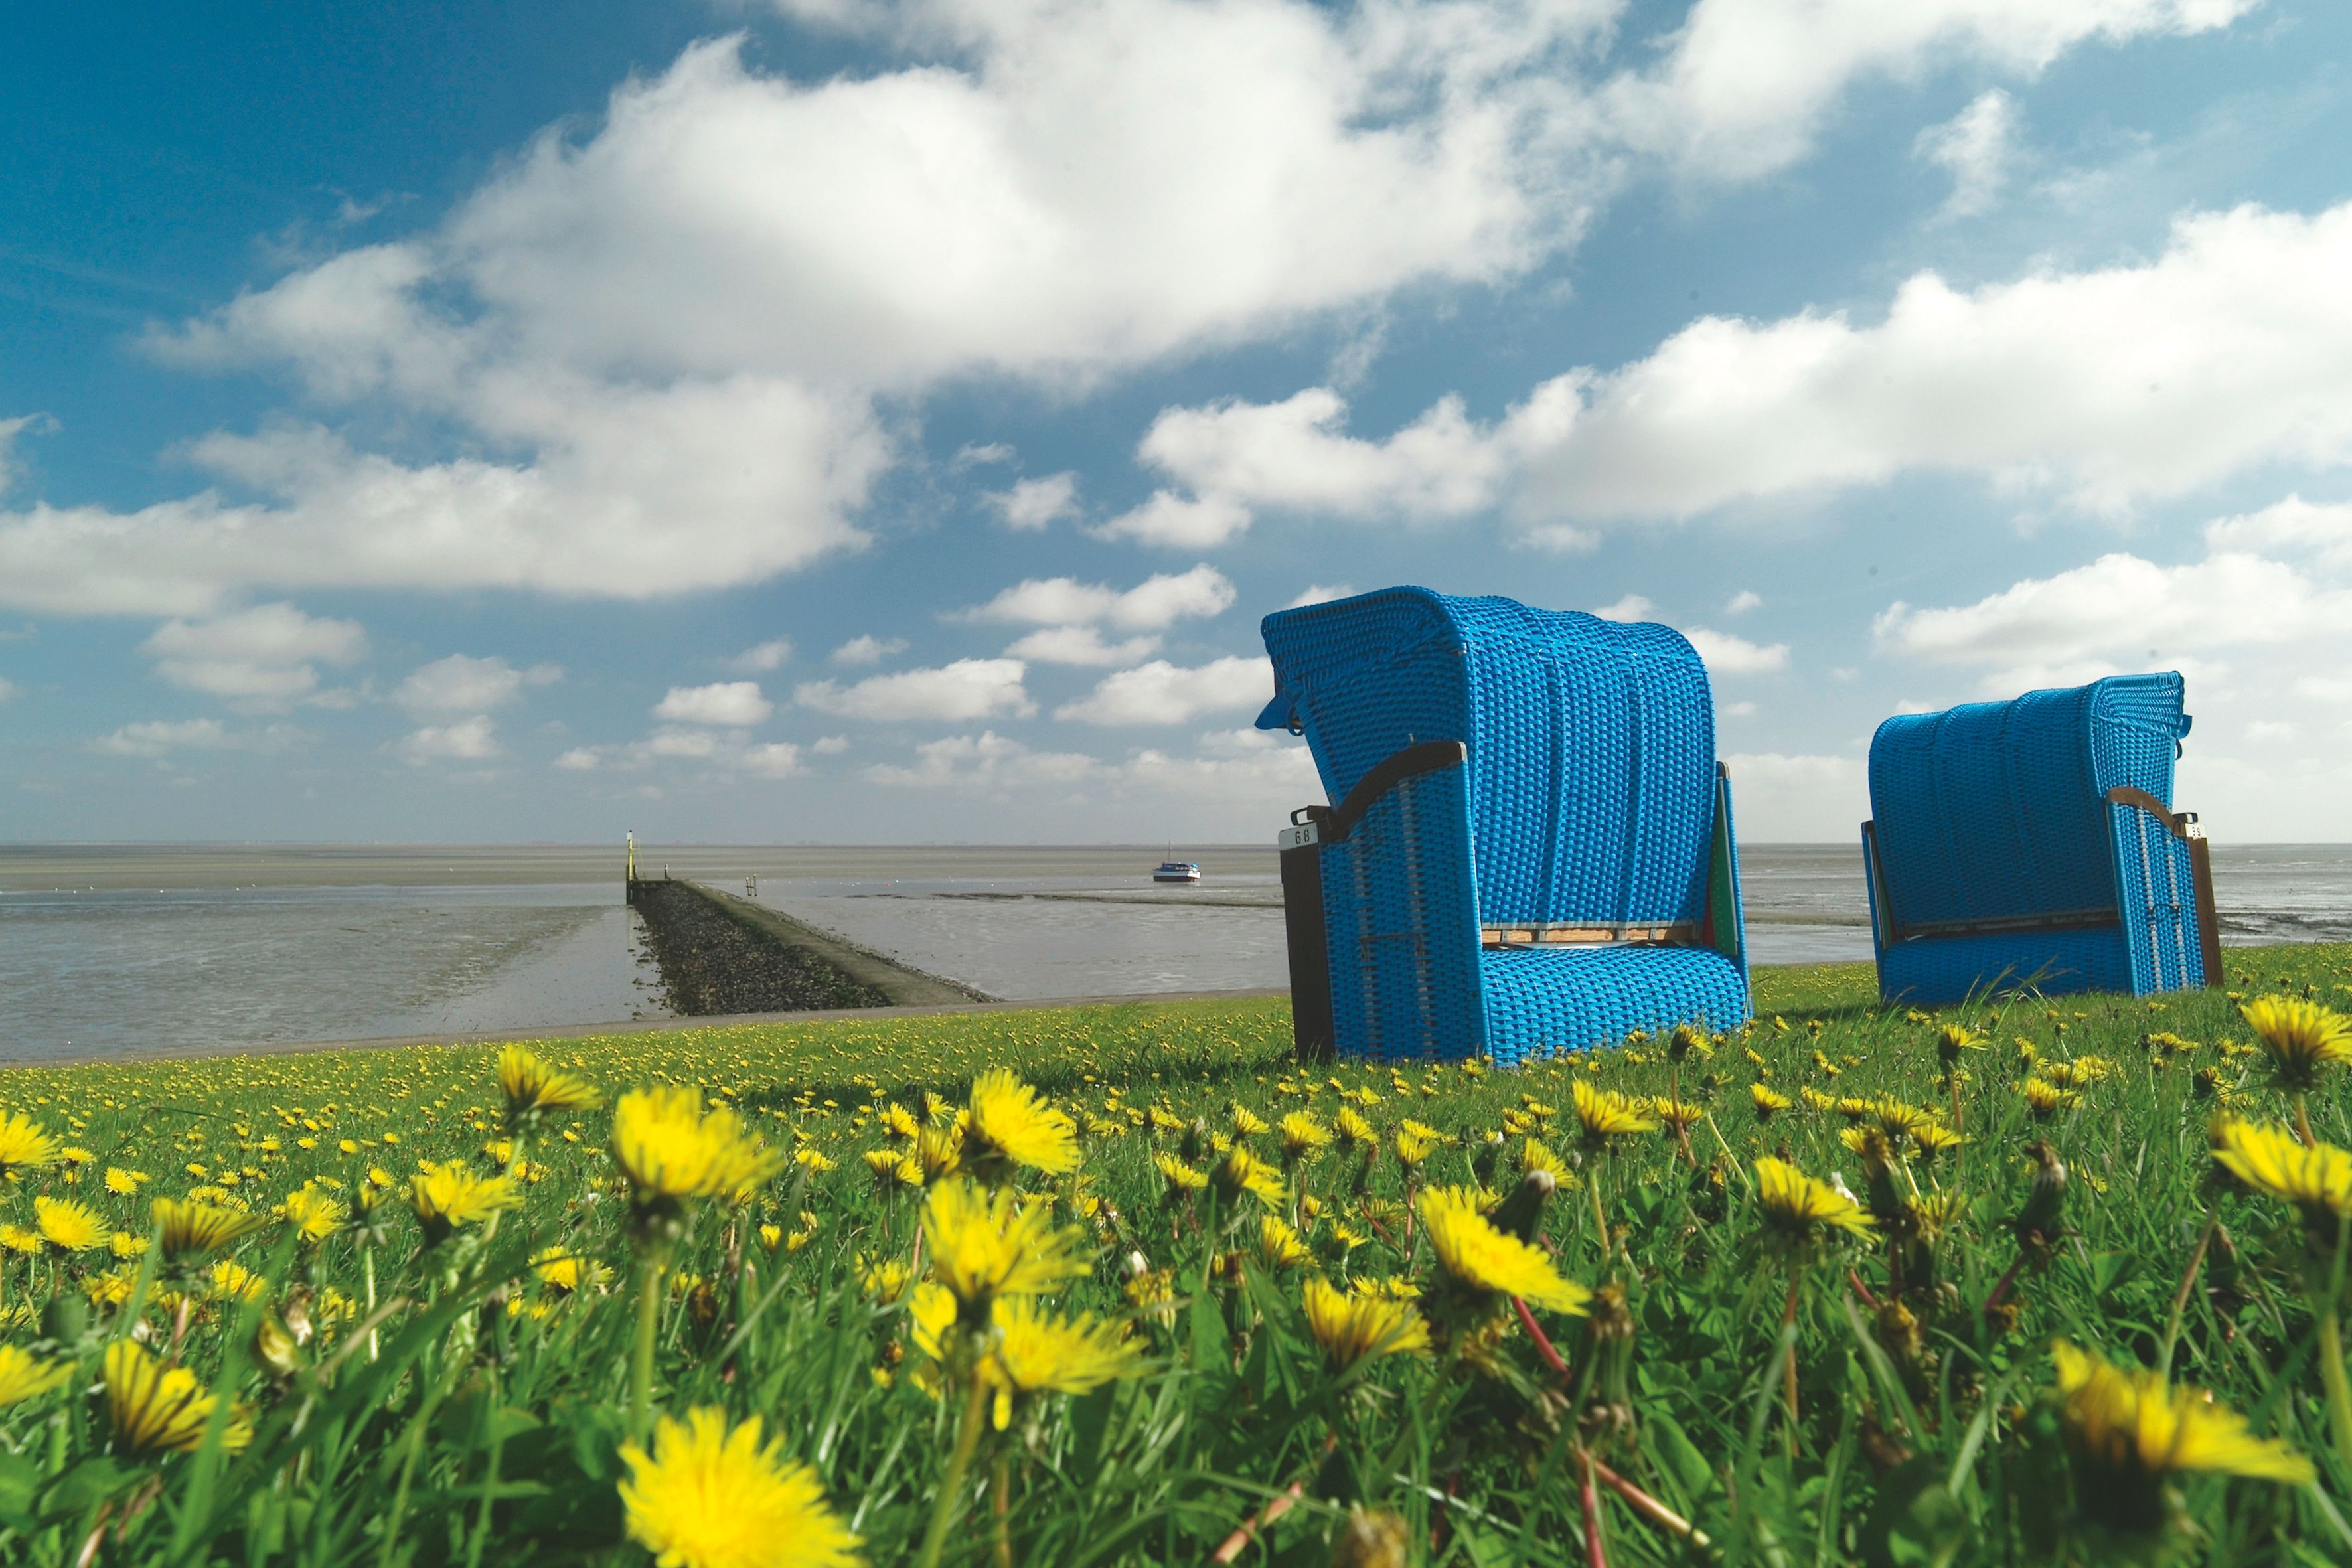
(112, 949)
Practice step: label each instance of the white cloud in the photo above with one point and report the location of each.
(10, 464)
(1976, 148)
(1631, 607)
(1034, 504)
(830, 745)
(1724, 654)
(1747, 83)
(579, 759)
(2293, 526)
(1153, 605)
(2117, 611)
(867, 649)
(263, 657)
(735, 702)
(968, 688)
(1291, 457)
(774, 760)
(2232, 350)
(1175, 521)
(761, 658)
(1321, 594)
(1163, 693)
(1081, 646)
(986, 761)
(1813, 799)
(470, 740)
(159, 737)
(2265, 732)
(460, 684)
(9, 689)
(971, 454)
(1743, 602)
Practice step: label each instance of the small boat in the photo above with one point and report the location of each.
(1176, 871)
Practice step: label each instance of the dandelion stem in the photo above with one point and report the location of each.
(1589, 1501)
(2180, 1297)
(2339, 1391)
(1599, 1219)
(2303, 1122)
(1787, 1320)
(943, 1507)
(641, 1367)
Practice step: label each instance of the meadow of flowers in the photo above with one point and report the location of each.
(2035, 1280)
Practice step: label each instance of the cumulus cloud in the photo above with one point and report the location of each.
(266, 657)
(774, 760)
(732, 702)
(1034, 504)
(762, 658)
(985, 760)
(9, 689)
(1631, 607)
(1805, 798)
(1727, 655)
(830, 745)
(867, 649)
(2294, 526)
(1742, 602)
(472, 739)
(1746, 84)
(1164, 693)
(1175, 521)
(462, 684)
(1153, 605)
(2089, 621)
(1081, 646)
(1321, 594)
(2228, 352)
(1975, 147)
(158, 737)
(966, 690)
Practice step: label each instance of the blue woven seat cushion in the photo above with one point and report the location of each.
(1541, 1001)
(1938, 971)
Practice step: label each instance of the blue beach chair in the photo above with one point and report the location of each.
(1531, 846)
(2032, 844)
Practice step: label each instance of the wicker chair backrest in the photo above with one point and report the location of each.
(1996, 810)
(1591, 742)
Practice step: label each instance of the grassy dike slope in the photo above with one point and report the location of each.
(483, 1420)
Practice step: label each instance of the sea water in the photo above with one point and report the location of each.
(114, 949)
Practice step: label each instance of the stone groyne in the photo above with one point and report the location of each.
(719, 953)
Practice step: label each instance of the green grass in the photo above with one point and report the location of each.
(481, 1420)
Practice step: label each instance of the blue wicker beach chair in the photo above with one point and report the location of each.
(1531, 849)
(2032, 844)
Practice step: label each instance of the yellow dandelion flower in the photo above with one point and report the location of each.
(2271, 1160)
(1814, 1100)
(125, 1183)
(1302, 1135)
(1010, 1127)
(1675, 1115)
(985, 1245)
(533, 1088)
(2046, 1100)
(156, 1409)
(1767, 1101)
(233, 1281)
(2126, 1433)
(565, 1272)
(1039, 1353)
(1352, 1326)
(1535, 1156)
(127, 1243)
(68, 1226)
(1242, 1172)
(312, 1213)
(1278, 1246)
(1932, 1137)
(1486, 1262)
(1247, 1124)
(24, 1144)
(884, 1280)
(1181, 1179)
(670, 1151)
(1353, 1129)
(24, 1375)
(711, 1496)
(449, 1196)
(193, 1229)
(1603, 1113)
(2301, 1039)
(1796, 1206)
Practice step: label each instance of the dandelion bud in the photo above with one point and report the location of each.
(1522, 1213)
(1372, 1538)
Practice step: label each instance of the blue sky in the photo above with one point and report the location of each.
(831, 420)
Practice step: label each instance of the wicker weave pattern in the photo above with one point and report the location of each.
(1996, 811)
(1589, 799)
